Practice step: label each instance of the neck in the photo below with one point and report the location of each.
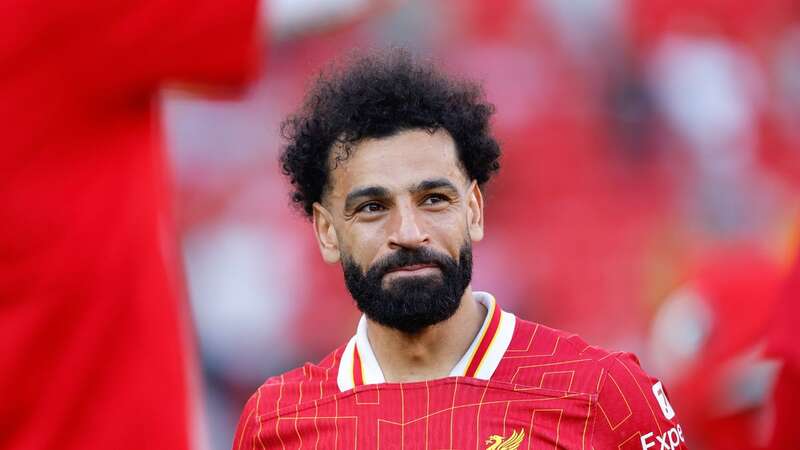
(431, 353)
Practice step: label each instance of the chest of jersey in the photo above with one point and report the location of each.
(451, 413)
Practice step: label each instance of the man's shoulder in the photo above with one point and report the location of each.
(535, 341)
(545, 357)
(629, 402)
(306, 383)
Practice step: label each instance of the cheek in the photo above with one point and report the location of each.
(450, 232)
(363, 244)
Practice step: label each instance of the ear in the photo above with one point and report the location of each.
(475, 212)
(326, 234)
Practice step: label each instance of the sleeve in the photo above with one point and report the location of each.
(633, 411)
(256, 428)
(246, 429)
(192, 41)
(108, 47)
(254, 432)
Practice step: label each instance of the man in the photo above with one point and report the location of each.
(388, 158)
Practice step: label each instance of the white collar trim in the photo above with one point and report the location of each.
(498, 343)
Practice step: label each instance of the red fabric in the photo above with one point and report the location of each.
(91, 338)
(783, 335)
(783, 345)
(785, 395)
(729, 279)
(740, 286)
(555, 388)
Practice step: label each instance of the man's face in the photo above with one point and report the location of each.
(400, 214)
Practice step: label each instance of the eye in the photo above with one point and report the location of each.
(435, 199)
(371, 207)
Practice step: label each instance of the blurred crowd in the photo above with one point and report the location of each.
(647, 200)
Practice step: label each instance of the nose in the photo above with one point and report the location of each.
(407, 230)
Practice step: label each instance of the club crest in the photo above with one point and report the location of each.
(497, 442)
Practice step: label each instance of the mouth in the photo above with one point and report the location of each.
(413, 269)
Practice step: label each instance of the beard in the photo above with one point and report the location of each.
(411, 303)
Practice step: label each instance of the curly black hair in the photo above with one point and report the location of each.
(376, 95)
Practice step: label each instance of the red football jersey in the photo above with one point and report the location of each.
(520, 385)
(92, 344)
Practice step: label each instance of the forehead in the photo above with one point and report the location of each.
(398, 161)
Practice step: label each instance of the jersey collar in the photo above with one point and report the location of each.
(359, 366)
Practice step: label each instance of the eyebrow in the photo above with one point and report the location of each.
(381, 192)
(368, 191)
(437, 183)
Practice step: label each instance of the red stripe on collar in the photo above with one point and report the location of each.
(358, 371)
(486, 340)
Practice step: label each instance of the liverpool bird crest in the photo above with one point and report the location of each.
(497, 442)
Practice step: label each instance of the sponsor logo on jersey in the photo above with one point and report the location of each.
(669, 440)
(661, 396)
(497, 442)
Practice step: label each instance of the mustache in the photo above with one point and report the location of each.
(409, 257)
